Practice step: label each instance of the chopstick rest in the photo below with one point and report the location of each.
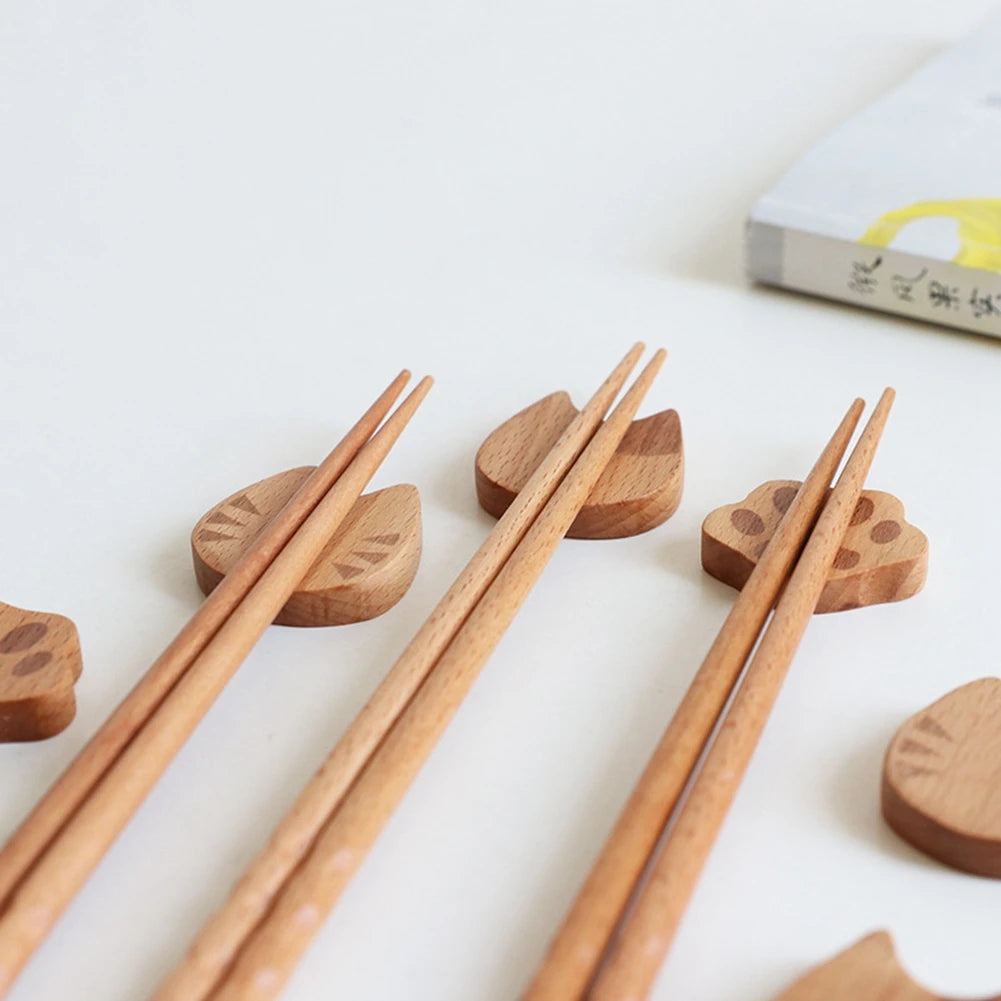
(367, 566)
(40, 662)
(868, 971)
(940, 789)
(252, 944)
(639, 489)
(575, 954)
(623, 921)
(646, 934)
(882, 558)
(53, 852)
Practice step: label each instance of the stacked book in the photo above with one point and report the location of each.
(900, 209)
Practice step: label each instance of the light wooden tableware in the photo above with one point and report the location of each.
(940, 789)
(868, 971)
(68, 858)
(573, 957)
(648, 931)
(58, 804)
(882, 558)
(639, 490)
(221, 938)
(273, 949)
(367, 566)
(40, 663)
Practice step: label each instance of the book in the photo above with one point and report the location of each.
(900, 208)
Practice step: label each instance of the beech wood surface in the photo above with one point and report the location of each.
(69, 790)
(40, 662)
(218, 942)
(868, 971)
(69, 858)
(574, 955)
(639, 490)
(646, 934)
(269, 955)
(882, 558)
(940, 786)
(367, 566)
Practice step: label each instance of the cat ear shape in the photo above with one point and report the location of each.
(40, 662)
(868, 971)
(882, 557)
(940, 779)
(366, 567)
(639, 489)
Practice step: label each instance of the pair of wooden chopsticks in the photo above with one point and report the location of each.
(616, 936)
(53, 852)
(251, 946)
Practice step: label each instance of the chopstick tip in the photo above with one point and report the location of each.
(421, 389)
(654, 364)
(634, 353)
(885, 402)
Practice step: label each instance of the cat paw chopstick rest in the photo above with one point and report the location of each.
(40, 663)
(868, 971)
(366, 567)
(940, 779)
(639, 489)
(882, 558)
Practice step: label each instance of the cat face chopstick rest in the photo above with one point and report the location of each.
(868, 971)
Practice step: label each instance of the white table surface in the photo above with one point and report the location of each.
(224, 227)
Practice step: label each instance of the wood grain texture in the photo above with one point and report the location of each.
(69, 857)
(270, 953)
(940, 787)
(224, 934)
(882, 558)
(645, 936)
(573, 957)
(56, 807)
(40, 662)
(639, 490)
(868, 971)
(366, 567)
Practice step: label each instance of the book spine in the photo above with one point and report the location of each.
(874, 277)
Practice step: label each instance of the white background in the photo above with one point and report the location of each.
(225, 226)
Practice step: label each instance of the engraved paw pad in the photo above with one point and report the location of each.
(882, 557)
(40, 662)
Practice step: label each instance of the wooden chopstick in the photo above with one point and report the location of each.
(648, 931)
(273, 949)
(55, 808)
(72, 854)
(574, 955)
(220, 939)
